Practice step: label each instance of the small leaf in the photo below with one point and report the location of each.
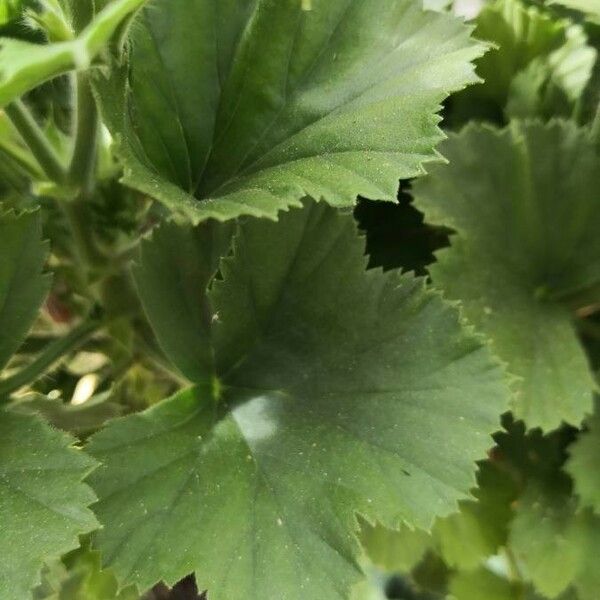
(591, 8)
(284, 103)
(79, 420)
(584, 463)
(43, 504)
(482, 583)
(467, 538)
(538, 65)
(339, 391)
(557, 544)
(395, 550)
(24, 65)
(22, 284)
(527, 242)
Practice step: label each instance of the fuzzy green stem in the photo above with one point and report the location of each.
(83, 161)
(49, 356)
(595, 127)
(36, 140)
(77, 217)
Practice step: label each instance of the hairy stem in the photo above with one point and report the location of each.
(87, 124)
(37, 141)
(49, 356)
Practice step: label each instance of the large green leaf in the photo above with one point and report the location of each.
(43, 504)
(524, 204)
(22, 283)
(24, 65)
(338, 391)
(584, 463)
(247, 106)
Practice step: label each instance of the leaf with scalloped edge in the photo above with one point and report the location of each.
(338, 390)
(584, 462)
(43, 502)
(23, 286)
(247, 106)
(523, 205)
(469, 537)
(395, 550)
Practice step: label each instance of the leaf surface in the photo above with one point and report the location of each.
(526, 247)
(339, 391)
(43, 504)
(557, 544)
(584, 463)
(247, 106)
(23, 286)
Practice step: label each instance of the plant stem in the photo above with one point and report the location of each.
(88, 254)
(49, 356)
(595, 128)
(36, 140)
(83, 161)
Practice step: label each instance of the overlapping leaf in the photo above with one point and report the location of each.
(43, 504)
(335, 390)
(557, 544)
(24, 65)
(523, 202)
(22, 283)
(584, 463)
(247, 106)
(538, 66)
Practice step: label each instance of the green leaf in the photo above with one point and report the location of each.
(397, 550)
(591, 8)
(482, 583)
(24, 65)
(546, 538)
(339, 391)
(43, 504)
(584, 463)
(79, 576)
(538, 65)
(79, 419)
(552, 85)
(587, 582)
(557, 544)
(283, 103)
(9, 10)
(467, 538)
(526, 242)
(173, 273)
(23, 286)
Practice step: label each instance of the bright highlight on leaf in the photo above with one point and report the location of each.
(43, 504)
(340, 391)
(526, 248)
(246, 107)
